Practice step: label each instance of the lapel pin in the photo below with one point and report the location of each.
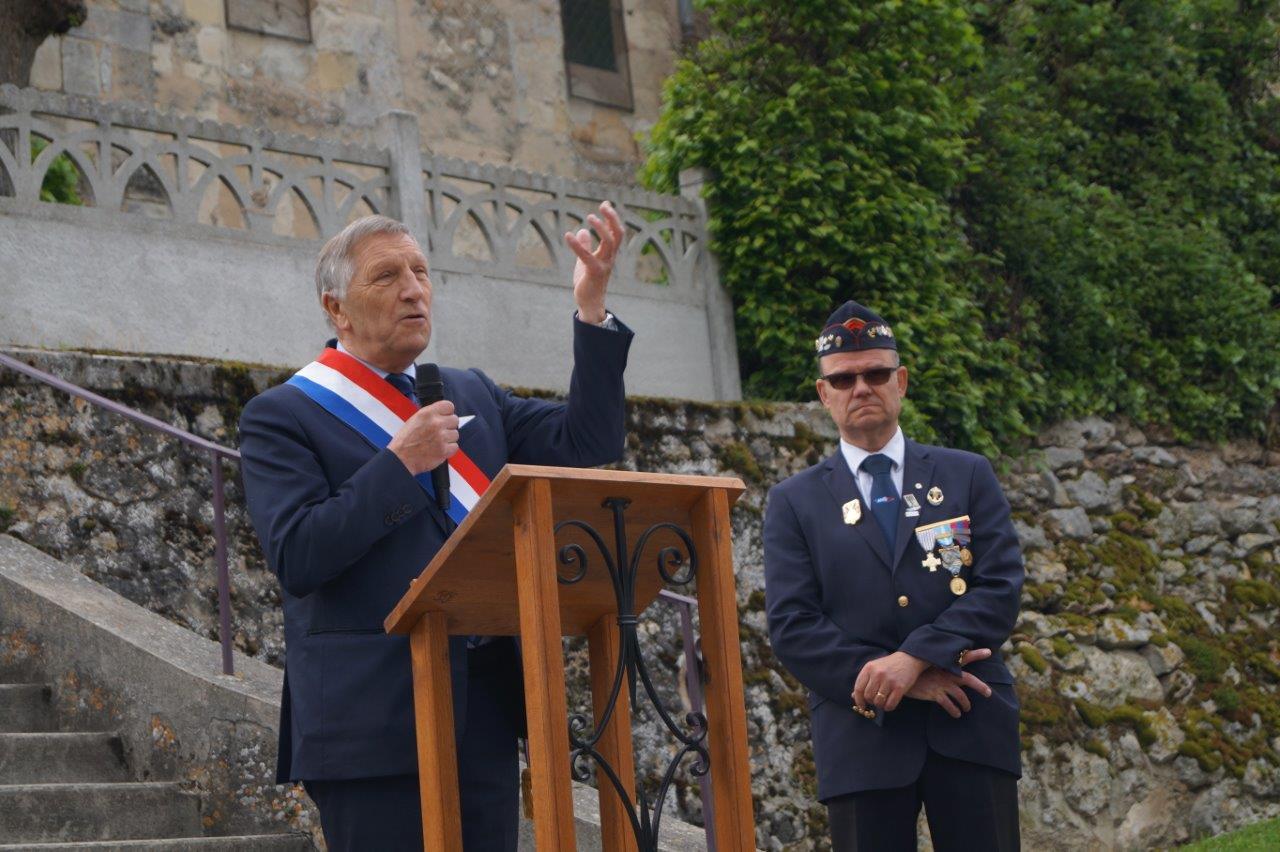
(919, 485)
(852, 512)
(935, 496)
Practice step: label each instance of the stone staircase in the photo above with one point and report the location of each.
(118, 732)
(74, 790)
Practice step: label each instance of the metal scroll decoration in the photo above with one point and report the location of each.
(676, 567)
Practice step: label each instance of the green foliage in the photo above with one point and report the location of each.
(836, 133)
(61, 181)
(1259, 837)
(1063, 207)
(1033, 658)
(1206, 661)
(1117, 156)
(737, 456)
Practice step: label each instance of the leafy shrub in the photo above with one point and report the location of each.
(1062, 207)
(61, 181)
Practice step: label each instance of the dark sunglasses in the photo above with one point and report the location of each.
(875, 377)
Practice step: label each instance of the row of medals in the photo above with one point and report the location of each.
(952, 556)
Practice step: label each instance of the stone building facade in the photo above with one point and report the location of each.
(497, 81)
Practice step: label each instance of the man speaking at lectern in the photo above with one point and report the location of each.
(338, 471)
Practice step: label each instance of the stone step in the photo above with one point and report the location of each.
(26, 707)
(15, 669)
(52, 758)
(246, 843)
(45, 813)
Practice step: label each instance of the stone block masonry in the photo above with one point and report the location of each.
(488, 77)
(1147, 652)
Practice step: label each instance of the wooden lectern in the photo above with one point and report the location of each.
(501, 574)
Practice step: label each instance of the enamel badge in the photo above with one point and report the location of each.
(852, 512)
(934, 496)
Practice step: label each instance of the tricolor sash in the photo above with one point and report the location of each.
(343, 386)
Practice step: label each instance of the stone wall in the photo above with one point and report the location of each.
(1147, 651)
(487, 78)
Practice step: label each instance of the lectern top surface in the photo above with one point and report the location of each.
(472, 578)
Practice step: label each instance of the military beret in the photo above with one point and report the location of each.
(853, 328)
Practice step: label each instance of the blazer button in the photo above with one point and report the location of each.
(903, 601)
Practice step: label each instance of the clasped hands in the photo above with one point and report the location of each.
(884, 682)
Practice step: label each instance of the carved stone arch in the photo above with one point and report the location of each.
(462, 214)
(71, 147)
(650, 233)
(291, 185)
(540, 218)
(10, 172)
(220, 175)
(148, 159)
(362, 190)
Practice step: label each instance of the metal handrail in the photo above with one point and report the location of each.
(216, 452)
(683, 603)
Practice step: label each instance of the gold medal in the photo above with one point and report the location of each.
(966, 556)
(958, 586)
(934, 496)
(852, 512)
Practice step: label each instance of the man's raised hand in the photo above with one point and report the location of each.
(594, 266)
(427, 438)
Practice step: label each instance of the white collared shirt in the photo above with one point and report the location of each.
(411, 371)
(896, 450)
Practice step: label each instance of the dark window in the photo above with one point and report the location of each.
(289, 19)
(595, 51)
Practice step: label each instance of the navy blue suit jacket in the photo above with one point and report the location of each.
(345, 528)
(832, 594)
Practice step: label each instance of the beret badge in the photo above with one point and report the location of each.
(853, 328)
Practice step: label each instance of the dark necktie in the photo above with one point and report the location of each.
(884, 496)
(404, 384)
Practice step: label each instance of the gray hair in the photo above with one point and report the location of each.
(335, 266)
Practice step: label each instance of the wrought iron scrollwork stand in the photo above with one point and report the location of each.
(675, 568)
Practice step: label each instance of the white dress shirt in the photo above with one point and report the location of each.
(411, 371)
(896, 450)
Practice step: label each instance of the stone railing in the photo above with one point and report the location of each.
(215, 229)
(476, 218)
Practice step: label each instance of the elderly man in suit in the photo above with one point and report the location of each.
(892, 578)
(337, 469)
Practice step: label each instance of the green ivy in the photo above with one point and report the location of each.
(61, 181)
(1062, 207)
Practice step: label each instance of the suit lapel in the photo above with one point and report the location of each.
(839, 480)
(916, 467)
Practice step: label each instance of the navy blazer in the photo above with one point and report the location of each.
(833, 595)
(345, 528)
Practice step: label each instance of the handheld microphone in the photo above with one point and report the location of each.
(430, 389)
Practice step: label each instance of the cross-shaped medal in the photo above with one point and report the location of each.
(931, 562)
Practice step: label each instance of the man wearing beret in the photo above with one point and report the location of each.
(892, 578)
